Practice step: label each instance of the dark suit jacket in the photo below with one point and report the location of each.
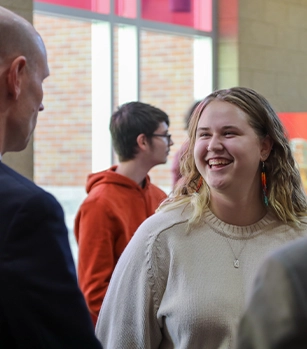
(276, 316)
(41, 305)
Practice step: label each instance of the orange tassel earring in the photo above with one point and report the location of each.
(264, 185)
(200, 183)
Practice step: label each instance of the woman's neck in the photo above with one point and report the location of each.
(238, 213)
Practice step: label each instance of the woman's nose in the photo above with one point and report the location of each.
(214, 144)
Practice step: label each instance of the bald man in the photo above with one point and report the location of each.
(41, 305)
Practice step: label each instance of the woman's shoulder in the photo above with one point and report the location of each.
(162, 225)
(150, 241)
(167, 218)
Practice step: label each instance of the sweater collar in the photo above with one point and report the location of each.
(235, 231)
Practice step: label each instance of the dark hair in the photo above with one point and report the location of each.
(129, 121)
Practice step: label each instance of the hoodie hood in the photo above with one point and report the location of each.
(111, 177)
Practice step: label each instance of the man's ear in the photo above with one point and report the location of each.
(142, 141)
(16, 71)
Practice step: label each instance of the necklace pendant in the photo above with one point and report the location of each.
(236, 263)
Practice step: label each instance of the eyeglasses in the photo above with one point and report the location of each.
(168, 136)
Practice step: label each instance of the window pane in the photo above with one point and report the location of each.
(195, 14)
(125, 8)
(101, 96)
(99, 6)
(127, 64)
(202, 52)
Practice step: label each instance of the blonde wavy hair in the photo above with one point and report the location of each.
(285, 190)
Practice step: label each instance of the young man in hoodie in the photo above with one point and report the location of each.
(120, 198)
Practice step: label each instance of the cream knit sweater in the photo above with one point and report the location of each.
(173, 289)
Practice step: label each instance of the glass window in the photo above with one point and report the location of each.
(126, 8)
(196, 14)
(99, 6)
(127, 68)
(202, 53)
(101, 96)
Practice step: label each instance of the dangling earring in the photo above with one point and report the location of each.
(264, 186)
(200, 183)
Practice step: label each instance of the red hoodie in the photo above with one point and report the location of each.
(106, 221)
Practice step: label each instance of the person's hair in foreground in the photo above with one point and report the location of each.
(285, 190)
(130, 120)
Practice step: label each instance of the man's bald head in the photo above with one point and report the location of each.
(23, 68)
(18, 38)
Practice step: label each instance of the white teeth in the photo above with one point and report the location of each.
(218, 162)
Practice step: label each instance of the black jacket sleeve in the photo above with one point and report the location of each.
(41, 305)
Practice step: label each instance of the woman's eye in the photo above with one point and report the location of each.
(204, 134)
(229, 133)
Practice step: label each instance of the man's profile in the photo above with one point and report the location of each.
(41, 305)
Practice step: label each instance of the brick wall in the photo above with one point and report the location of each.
(167, 81)
(62, 140)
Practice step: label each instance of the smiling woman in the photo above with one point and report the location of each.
(183, 279)
(227, 152)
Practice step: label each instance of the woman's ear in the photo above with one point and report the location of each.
(267, 145)
(15, 74)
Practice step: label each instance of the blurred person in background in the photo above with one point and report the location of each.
(276, 314)
(175, 169)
